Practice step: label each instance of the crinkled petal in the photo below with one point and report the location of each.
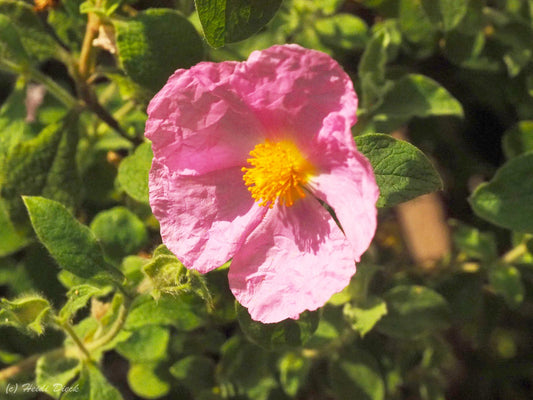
(198, 123)
(292, 90)
(204, 218)
(349, 187)
(295, 260)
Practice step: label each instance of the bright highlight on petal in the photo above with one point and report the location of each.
(278, 171)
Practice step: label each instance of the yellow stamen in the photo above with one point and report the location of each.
(278, 171)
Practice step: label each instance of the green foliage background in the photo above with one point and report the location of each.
(92, 301)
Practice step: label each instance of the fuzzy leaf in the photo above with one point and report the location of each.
(26, 313)
(284, 334)
(474, 243)
(413, 311)
(518, 139)
(78, 296)
(91, 385)
(402, 171)
(446, 13)
(416, 96)
(365, 316)
(34, 36)
(356, 375)
(507, 200)
(133, 173)
(52, 374)
(506, 281)
(227, 21)
(196, 372)
(11, 240)
(11, 47)
(293, 370)
(120, 232)
(154, 43)
(185, 312)
(45, 165)
(70, 243)
(147, 343)
(145, 379)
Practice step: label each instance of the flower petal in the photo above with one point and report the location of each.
(295, 260)
(204, 219)
(350, 189)
(197, 123)
(291, 90)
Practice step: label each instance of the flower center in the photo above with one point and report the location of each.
(278, 171)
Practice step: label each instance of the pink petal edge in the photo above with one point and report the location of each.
(295, 260)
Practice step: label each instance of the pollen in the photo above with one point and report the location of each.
(278, 170)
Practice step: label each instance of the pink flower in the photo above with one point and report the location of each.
(245, 156)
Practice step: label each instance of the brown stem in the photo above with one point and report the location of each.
(87, 62)
(23, 366)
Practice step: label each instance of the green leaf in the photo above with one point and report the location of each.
(11, 47)
(382, 46)
(91, 385)
(28, 313)
(185, 312)
(518, 139)
(355, 375)
(120, 232)
(33, 34)
(133, 173)
(364, 317)
(147, 343)
(132, 268)
(53, 373)
(146, 380)
(507, 200)
(235, 368)
(78, 296)
(415, 23)
(416, 96)
(45, 165)
(68, 23)
(226, 21)
(13, 123)
(11, 240)
(167, 275)
(506, 281)
(413, 311)
(342, 31)
(196, 372)
(293, 370)
(70, 243)
(154, 43)
(284, 334)
(475, 244)
(447, 13)
(402, 171)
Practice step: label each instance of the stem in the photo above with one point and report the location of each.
(55, 89)
(25, 365)
(113, 331)
(514, 254)
(85, 70)
(87, 56)
(29, 363)
(70, 331)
